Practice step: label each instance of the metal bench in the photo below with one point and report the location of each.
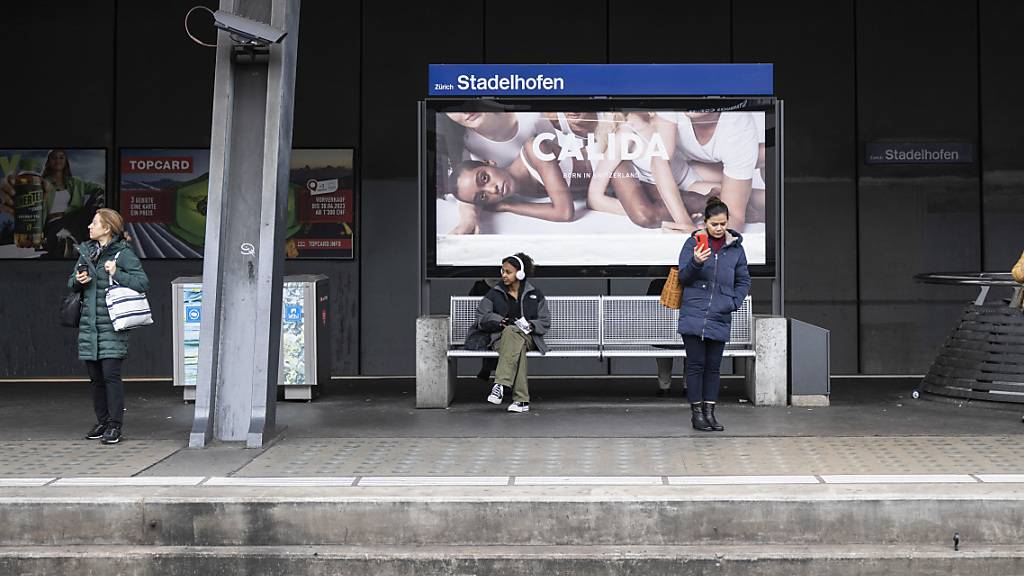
(575, 327)
(581, 327)
(604, 327)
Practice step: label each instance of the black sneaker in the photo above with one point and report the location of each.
(96, 432)
(111, 436)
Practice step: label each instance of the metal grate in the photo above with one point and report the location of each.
(575, 320)
(742, 333)
(639, 320)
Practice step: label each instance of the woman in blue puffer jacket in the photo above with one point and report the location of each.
(713, 272)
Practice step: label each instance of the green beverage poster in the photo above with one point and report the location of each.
(164, 199)
(47, 199)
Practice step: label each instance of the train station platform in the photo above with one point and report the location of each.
(600, 477)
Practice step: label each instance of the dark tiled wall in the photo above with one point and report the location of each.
(122, 74)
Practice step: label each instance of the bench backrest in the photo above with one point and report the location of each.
(643, 320)
(575, 320)
(606, 320)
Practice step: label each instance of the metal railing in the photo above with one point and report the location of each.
(985, 280)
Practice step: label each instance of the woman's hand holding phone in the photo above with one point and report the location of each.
(701, 252)
(82, 274)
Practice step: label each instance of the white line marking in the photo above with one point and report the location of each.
(588, 481)
(739, 480)
(299, 481)
(433, 481)
(131, 481)
(21, 482)
(897, 479)
(1001, 478)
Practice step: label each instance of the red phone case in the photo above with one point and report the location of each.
(702, 242)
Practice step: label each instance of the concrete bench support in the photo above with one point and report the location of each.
(767, 383)
(435, 372)
(766, 375)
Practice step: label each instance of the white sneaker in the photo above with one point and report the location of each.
(519, 407)
(497, 393)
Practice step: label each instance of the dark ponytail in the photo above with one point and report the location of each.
(714, 207)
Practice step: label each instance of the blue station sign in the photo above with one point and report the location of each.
(600, 80)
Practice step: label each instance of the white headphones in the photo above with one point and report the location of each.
(521, 273)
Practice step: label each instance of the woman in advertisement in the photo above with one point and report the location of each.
(551, 165)
(67, 205)
(647, 182)
(514, 316)
(497, 137)
(723, 148)
(715, 279)
(71, 206)
(104, 257)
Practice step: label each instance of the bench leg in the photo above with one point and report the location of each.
(748, 365)
(435, 372)
(771, 368)
(453, 378)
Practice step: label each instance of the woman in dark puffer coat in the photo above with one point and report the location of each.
(715, 282)
(106, 255)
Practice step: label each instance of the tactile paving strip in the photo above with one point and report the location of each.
(82, 458)
(632, 456)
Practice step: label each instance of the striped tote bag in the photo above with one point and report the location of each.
(128, 309)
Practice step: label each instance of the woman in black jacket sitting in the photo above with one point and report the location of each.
(515, 316)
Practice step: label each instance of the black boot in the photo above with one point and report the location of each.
(709, 415)
(697, 418)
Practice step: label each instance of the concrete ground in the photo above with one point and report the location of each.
(581, 428)
(599, 478)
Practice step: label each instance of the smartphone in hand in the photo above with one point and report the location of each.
(702, 241)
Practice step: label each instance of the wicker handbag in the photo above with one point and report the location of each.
(672, 293)
(1018, 275)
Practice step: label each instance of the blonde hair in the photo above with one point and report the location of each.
(608, 124)
(113, 220)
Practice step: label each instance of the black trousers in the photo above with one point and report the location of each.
(703, 368)
(107, 390)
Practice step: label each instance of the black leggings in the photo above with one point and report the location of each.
(703, 368)
(107, 390)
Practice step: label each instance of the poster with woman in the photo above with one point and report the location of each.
(604, 187)
(47, 199)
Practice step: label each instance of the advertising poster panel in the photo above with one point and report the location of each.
(47, 199)
(163, 195)
(600, 185)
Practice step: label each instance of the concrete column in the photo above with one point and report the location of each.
(435, 373)
(769, 386)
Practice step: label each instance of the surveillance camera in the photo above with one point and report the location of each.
(246, 29)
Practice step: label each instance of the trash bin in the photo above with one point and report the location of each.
(810, 366)
(305, 360)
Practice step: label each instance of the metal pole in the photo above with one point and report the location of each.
(778, 293)
(243, 264)
(424, 226)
